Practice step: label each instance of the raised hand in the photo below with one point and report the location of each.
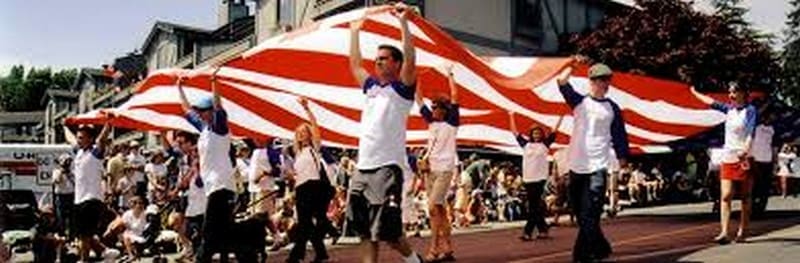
(303, 102)
(357, 24)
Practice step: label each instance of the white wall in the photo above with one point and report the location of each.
(490, 19)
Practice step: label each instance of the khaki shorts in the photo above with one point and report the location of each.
(264, 205)
(436, 185)
(374, 209)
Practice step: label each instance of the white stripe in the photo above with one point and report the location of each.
(236, 113)
(337, 95)
(659, 110)
(512, 67)
(329, 24)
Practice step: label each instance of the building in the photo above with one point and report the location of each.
(496, 28)
(58, 105)
(510, 27)
(20, 127)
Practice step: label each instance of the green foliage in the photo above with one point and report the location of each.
(790, 58)
(668, 39)
(23, 92)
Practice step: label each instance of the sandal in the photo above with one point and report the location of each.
(446, 257)
(722, 240)
(740, 239)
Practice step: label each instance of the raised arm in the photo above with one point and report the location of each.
(570, 96)
(513, 123)
(702, 97)
(408, 73)
(184, 101)
(355, 52)
(551, 138)
(215, 91)
(101, 141)
(418, 98)
(452, 83)
(316, 137)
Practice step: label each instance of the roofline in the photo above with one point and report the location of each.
(168, 26)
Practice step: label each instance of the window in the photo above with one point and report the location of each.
(286, 12)
(528, 18)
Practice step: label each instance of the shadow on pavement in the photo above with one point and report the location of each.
(680, 246)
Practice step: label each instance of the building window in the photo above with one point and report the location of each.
(286, 12)
(528, 19)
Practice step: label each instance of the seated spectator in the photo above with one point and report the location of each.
(637, 185)
(48, 246)
(135, 222)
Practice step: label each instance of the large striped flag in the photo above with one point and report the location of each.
(260, 88)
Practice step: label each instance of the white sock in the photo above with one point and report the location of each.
(413, 258)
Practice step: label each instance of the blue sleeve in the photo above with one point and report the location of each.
(367, 84)
(521, 140)
(407, 92)
(720, 107)
(219, 122)
(454, 115)
(619, 137)
(552, 138)
(750, 121)
(426, 113)
(194, 120)
(570, 96)
(97, 152)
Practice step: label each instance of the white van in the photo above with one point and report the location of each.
(29, 166)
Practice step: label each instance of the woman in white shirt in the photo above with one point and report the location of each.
(312, 187)
(135, 221)
(785, 158)
(535, 168)
(740, 125)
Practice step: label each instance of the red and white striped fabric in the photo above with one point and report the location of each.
(260, 88)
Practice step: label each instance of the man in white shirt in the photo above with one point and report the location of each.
(216, 170)
(262, 188)
(762, 153)
(88, 170)
(137, 162)
(376, 190)
(597, 128)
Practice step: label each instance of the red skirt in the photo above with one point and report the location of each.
(734, 171)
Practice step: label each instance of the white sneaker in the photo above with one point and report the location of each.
(110, 254)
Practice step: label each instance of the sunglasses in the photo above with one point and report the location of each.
(603, 78)
(382, 58)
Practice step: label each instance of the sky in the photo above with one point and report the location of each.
(89, 33)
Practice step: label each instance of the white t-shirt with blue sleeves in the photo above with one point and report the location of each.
(598, 127)
(382, 139)
(740, 124)
(213, 147)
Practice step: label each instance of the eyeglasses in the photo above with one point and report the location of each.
(381, 58)
(602, 78)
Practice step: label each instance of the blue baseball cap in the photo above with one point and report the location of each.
(204, 103)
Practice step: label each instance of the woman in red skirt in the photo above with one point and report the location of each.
(740, 123)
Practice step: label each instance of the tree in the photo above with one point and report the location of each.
(11, 89)
(64, 78)
(732, 13)
(790, 58)
(668, 39)
(21, 92)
